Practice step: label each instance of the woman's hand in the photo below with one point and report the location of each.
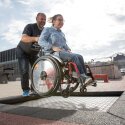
(57, 49)
(69, 51)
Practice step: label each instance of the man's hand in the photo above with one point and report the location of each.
(36, 39)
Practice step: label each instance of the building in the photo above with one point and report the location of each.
(9, 69)
(119, 60)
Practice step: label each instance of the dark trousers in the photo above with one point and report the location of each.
(25, 61)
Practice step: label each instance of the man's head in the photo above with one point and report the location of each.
(41, 20)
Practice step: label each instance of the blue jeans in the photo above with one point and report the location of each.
(24, 62)
(76, 58)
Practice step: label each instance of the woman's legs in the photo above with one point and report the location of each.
(78, 60)
(66, 56)
(82, 62)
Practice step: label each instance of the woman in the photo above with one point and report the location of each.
(53, 40)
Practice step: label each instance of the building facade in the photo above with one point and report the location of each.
(9, 69)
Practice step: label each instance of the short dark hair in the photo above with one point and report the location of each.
(38, 14)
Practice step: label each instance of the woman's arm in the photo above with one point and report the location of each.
(67, 48)
(44, 39)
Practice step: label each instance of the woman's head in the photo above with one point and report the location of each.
(57, 21)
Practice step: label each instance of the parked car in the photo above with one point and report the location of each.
(122, 71)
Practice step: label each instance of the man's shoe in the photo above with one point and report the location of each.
(25, 93)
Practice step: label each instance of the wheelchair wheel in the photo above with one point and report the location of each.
(74, 87)
(69, 84)
(45, 76)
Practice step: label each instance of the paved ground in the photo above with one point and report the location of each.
(99, 104)
(10, 89)
(57, 110)
(14, 88)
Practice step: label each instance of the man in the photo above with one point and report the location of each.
(25, 54)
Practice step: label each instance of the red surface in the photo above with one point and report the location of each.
(10, 119)
(101, 76)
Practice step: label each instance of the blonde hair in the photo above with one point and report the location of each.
(51, 19)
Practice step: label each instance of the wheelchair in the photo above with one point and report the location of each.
(50, 74)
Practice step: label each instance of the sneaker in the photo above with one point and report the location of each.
(94, 83)
(88, 80)
(82, 79)
(25, 93)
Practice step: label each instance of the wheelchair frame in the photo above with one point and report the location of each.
(60, 76)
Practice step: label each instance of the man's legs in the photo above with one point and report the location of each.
(24, 72)
(32, 60)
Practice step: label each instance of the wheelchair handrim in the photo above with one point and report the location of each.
(55, 80)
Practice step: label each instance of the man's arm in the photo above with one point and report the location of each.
(27, 39)
(27, 36)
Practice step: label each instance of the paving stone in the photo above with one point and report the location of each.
(74, 103)
(53, 114)
(23, 110)
(118, 109)
(11, 119)
(94, 118)
(5, 107)
(122, 97)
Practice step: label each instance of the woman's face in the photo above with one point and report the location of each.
(58, 22)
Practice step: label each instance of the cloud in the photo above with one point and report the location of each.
(5, 3)
(24, 2)
(118, 18)
(93, 28)
(13, 34)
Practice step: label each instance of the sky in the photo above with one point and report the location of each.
(93, 28)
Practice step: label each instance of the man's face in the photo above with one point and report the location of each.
(41, 20)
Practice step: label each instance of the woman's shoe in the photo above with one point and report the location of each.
(88, 80)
